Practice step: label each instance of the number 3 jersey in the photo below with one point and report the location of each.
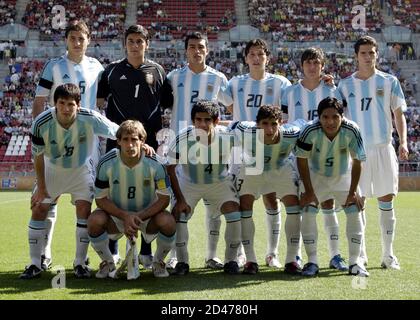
(369, 104)
(326, 157)
(275, 155)
(131, 189)
(72, 147)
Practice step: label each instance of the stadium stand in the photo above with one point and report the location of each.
(171, 19)
(406, 13)
(292, 20)
(7, 11)
(104, 18)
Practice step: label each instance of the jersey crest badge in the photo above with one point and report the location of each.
(149, 78)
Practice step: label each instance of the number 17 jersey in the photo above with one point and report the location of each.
(369, 104)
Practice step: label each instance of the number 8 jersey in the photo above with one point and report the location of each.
(369, 103)
(131, 189)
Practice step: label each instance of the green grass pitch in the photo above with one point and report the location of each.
(207, 284)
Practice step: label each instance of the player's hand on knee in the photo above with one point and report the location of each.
(354, 198)
(180, 207)
(306, 198)
(38, 196)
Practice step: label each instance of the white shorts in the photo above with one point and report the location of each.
(78, 182)
(379, 172)
(148, 237)
(283, 181)
(327, 188)
(215, 194)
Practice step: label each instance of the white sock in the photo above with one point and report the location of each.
(354, 232)
(309, 230)
(331, 230)
(100, 245)
(213, 232)
(387, 222)
(292, 230)
(82, 242)
(248, 234)
(232, 235)
(363, 252)
(164, 245)
(273, 221)
(36, 236)
(49, 229)
(181, 242)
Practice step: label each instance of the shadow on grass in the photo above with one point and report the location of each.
(147, 286)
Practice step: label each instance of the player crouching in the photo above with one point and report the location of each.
(132, 191)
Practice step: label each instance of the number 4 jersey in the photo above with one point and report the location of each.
(369, 104)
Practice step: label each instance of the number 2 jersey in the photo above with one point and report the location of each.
(72, 147)
(131, 189)
(369, 104)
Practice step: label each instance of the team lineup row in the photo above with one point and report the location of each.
(136, 88)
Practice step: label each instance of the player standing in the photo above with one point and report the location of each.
(249, 93)
(300, 101)
(372, 97)
(73, 67)
(323, 153)
(132, 88)
(62, 147)
(183, 88)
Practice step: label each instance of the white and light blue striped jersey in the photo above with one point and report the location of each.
(72, 147)
(201, 163)
(369, 104)
(249, 94)
(131, 189)
(275, 155)
(326, 157)
(62, 70)
(188, 87)
(301, 103)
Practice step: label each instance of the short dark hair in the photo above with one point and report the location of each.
(68, 91)
(137, 28)
(196, 35)
(312, 54)
(330, 102)
(365, 40)
(257, 43)
(269, 111)
(77, 25)
(207, 106)
(130, 127)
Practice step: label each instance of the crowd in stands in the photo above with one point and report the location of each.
(406, 13)
(7, 11)
(171, 19)
(104, 18)
(16, 97)
(299, 20)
